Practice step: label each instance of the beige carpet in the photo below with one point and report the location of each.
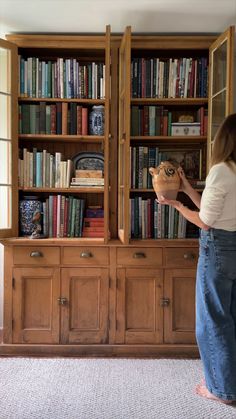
(65, 388)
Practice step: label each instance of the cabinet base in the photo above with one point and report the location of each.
(135, 351)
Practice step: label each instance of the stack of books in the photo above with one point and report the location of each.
(87, 178)
(93, 222)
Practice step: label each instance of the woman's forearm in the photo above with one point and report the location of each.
(194, 196)
(192, 216)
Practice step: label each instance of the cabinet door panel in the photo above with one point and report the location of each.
(139, 314)
(35, 306)
(179, 314)
(84, 316)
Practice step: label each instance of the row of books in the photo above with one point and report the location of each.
(142, 157)
(172, 78)
(151, 220)
(40, 169)
(61, 78)
(67, 217)
(63, 216)
(156, 120)
(53, 119)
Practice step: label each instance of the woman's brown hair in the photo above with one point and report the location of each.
(224, 145)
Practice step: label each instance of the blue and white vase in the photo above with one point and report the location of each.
(96, 120)
(28, 206)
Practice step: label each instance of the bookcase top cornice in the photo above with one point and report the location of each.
(144, 41)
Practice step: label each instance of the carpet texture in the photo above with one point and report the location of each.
(65, 388)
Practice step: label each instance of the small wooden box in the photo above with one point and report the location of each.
(188, 129)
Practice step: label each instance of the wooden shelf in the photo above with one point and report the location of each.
(57, 99)
(171, 139)
(170, 101)
(62, 138)
(63, 190)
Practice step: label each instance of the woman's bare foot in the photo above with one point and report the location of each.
(202, 390)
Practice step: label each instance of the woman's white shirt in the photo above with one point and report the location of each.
(218, 203)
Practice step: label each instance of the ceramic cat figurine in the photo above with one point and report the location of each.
(165, 180)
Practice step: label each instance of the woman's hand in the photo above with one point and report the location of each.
(172, 202)
(185, 186)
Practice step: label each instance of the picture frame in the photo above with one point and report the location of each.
(189, 159)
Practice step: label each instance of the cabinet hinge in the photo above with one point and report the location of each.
(13, 282)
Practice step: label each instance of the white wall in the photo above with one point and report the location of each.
(1, 286)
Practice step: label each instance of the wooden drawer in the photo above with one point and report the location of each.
(181, 257)
(139, 256)
(89, 256)
(36, 255)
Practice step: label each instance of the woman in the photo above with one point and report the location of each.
(216, 271)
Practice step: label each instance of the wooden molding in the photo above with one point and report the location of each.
(134, 351)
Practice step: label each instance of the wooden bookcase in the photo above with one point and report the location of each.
(115, 295)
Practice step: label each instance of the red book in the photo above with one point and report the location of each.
(93, 222)
(84, 121)
(53, 120)
(64, 117)
(92, 234)
(146, 120)
(97, 228)
(79, 120)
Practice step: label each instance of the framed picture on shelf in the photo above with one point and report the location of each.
(190, 160)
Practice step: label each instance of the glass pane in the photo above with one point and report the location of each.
(5, 116)
(5, 166)
(218, 112)
(5, 213)
(5, 72)
(219, 68)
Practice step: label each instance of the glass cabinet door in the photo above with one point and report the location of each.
(124, 136)
(107, 131)
(8, 140)
(220, 83)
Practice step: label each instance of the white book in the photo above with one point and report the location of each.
(51, 170)
(68, 172)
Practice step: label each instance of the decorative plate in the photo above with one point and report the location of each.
(88, 161)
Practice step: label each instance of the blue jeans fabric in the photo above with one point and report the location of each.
(216, 311)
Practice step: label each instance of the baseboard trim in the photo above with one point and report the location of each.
(133, 351)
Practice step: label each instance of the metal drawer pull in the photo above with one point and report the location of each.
(139, 255)
(36, 254)
(165, 302)
(86, 255)
(62, 301)
(189, 256)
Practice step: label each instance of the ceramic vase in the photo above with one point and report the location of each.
(28, 206)
(165, 180)
(96, 120)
